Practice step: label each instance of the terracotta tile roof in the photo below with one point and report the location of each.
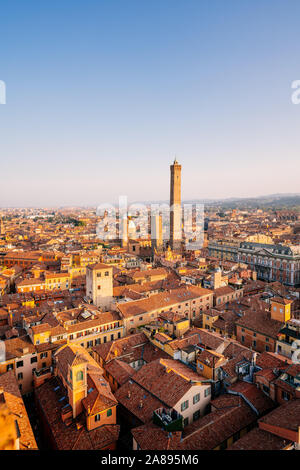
(100, 397)
(293, 370)
(16, 406)
(149, 272)
(254, 395)
(98, 438)
(132, 294)
(152, 437)
(269, 360)
(163, 338)
(226, 290)
(119, 370)
(286, 416)
(70, 437)
(167, 379)
(257, 439)
(56, 275)
(207, 339)
(144, 288)
(210, 358)
(151, 353)
(206, 433)
(172, 317)
(120, 347)
(178, 344)
(260, 321)
(131, 395)
(99, 266)
(216, 427)
(225, 400)
(236, 350)
(14, 347)
(42, 328)
(161, 300)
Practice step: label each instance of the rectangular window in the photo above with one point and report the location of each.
(20, 364)
(196, 398)
(97, 417)
(196, 415)
(285, 395)
(266, 389)
(9, 367)
(33, 359)
(20, 376)
(184, 405)
(109, 412)
(207, 392)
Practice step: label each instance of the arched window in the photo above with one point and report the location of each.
(79, 375)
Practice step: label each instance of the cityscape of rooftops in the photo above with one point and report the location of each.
(149, 229)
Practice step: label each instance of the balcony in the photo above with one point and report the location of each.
(44, 371)
(94, 334)
(168, 419)
(41, 375)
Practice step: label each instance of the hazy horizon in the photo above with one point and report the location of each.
(102, 95)
(153, 201)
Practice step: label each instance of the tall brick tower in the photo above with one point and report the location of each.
(175, 206)
(2, 230)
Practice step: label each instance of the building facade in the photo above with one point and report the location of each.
(99, 285)
(272, 262)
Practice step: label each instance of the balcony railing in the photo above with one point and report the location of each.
(96, 333)
(44, 371)
(169, 419)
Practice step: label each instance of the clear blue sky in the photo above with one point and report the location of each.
(101, 94)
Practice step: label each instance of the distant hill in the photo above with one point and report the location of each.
(280, 201)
